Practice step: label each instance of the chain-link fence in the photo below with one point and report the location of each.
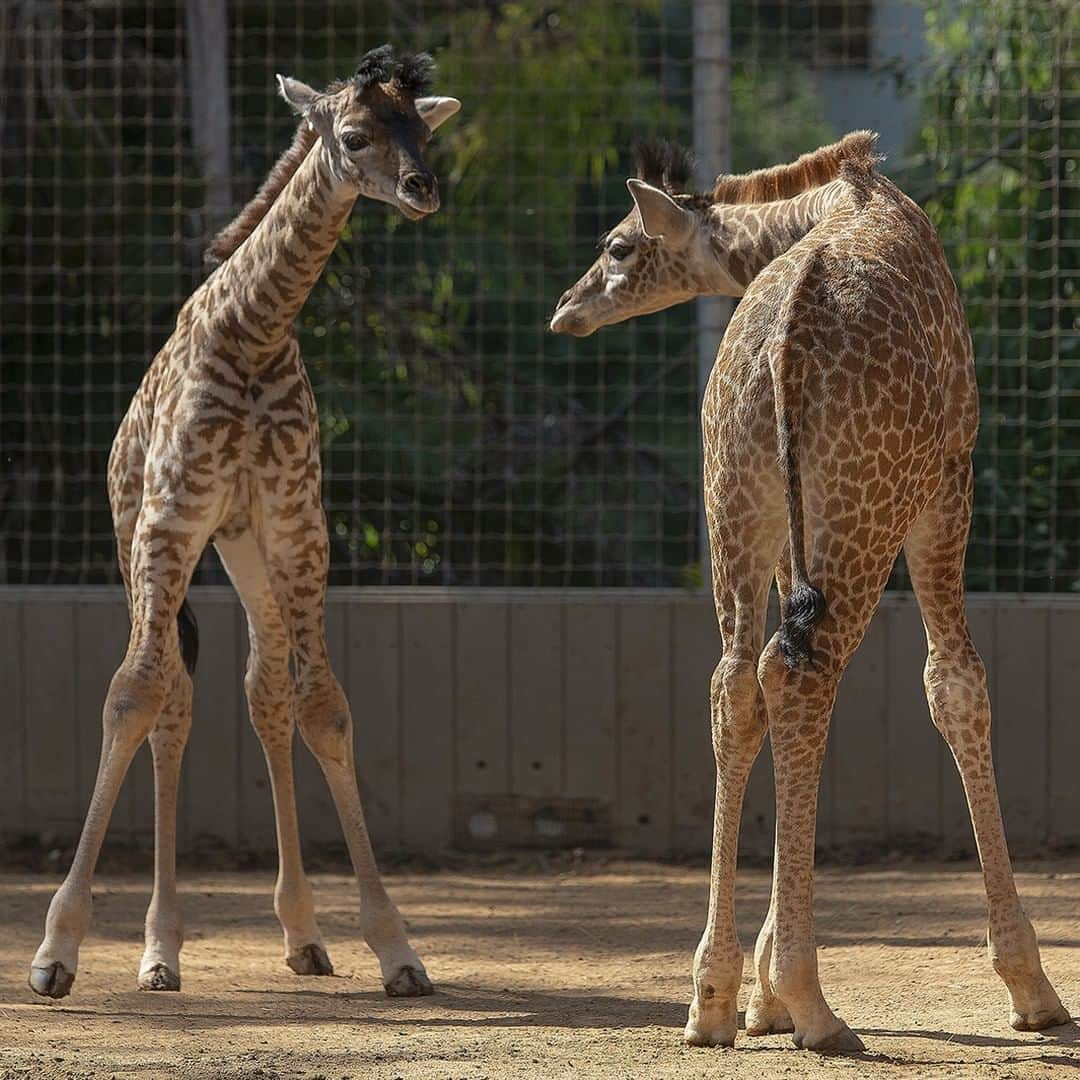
(463, 443)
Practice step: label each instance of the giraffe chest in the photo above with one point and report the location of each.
(245, 434)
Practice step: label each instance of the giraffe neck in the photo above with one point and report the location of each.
(254, 297)
(746, 237)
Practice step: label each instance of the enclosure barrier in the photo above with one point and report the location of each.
(491, 718)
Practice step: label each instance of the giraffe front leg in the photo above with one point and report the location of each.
(269, 688)
(297, 558)
(766, 1014)
(739, 722)
(160, 966)
(738, 730)
(326, 726)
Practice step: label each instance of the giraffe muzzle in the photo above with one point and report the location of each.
(568, 319)
(418, 192)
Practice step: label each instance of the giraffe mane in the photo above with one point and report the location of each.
(664, 164)
(244, 224)
(852, 157)
(414, 73)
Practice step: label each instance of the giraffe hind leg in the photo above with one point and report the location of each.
(956, 692)
(163, 554)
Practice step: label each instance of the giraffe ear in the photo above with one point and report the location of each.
(434, 110)
(298, 94)
(660, 214)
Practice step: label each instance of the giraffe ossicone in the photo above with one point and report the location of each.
(837, 427)
(221, 444)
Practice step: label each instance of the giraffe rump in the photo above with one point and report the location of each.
(244, 224)
(852, 157)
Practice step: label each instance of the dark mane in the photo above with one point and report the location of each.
(376, 66)
(852, 157)
(244, 224)
(664, 164)
(414, 73)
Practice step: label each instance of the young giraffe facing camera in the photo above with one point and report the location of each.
(837, 425)
(221, 444)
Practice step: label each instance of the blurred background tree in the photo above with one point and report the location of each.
(996, 165)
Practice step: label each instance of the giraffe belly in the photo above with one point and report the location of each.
(236, 519)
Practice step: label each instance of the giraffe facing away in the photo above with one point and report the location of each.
(837, 425)
(221, 444)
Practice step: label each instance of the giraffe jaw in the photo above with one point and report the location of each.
(413, 213)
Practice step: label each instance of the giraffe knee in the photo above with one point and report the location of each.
(955, 682)
(798, 700)
(738, 713)
(135, 699)
(322, 714)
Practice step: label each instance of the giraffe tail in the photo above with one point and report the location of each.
(189, 636)
(806, 605)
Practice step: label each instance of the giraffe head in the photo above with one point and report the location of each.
(376, 125)
(657, 256)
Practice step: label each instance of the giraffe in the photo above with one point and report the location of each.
(221, 444)
(837, 428)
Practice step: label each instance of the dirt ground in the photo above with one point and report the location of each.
(574, 972)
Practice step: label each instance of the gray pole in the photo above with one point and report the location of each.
(207, 29)
(712, 147)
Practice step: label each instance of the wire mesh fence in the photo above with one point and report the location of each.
(463, 444)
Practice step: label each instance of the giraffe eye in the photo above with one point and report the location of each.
(619, 249)
(353, 140)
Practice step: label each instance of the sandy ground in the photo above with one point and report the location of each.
(569, 973)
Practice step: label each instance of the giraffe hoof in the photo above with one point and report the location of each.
(1044, 1018)
(159, 977)
(310, 960)
(712, 1025)
(844, 1041)
(409, 982)
(53, 981)
(770, 1018)
(700, 1035)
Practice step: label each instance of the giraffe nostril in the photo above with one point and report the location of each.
(417, 184)
(564, 299)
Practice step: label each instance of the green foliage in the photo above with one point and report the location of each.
(998, 169)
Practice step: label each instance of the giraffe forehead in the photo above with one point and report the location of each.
(384, 106)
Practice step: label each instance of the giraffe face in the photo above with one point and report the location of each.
(653, 259)
(375, 134)
(379, 137)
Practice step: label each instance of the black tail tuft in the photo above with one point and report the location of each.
(189, 636)
(805, 608)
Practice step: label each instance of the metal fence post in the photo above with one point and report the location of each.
(206, 25)
(712, 147)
